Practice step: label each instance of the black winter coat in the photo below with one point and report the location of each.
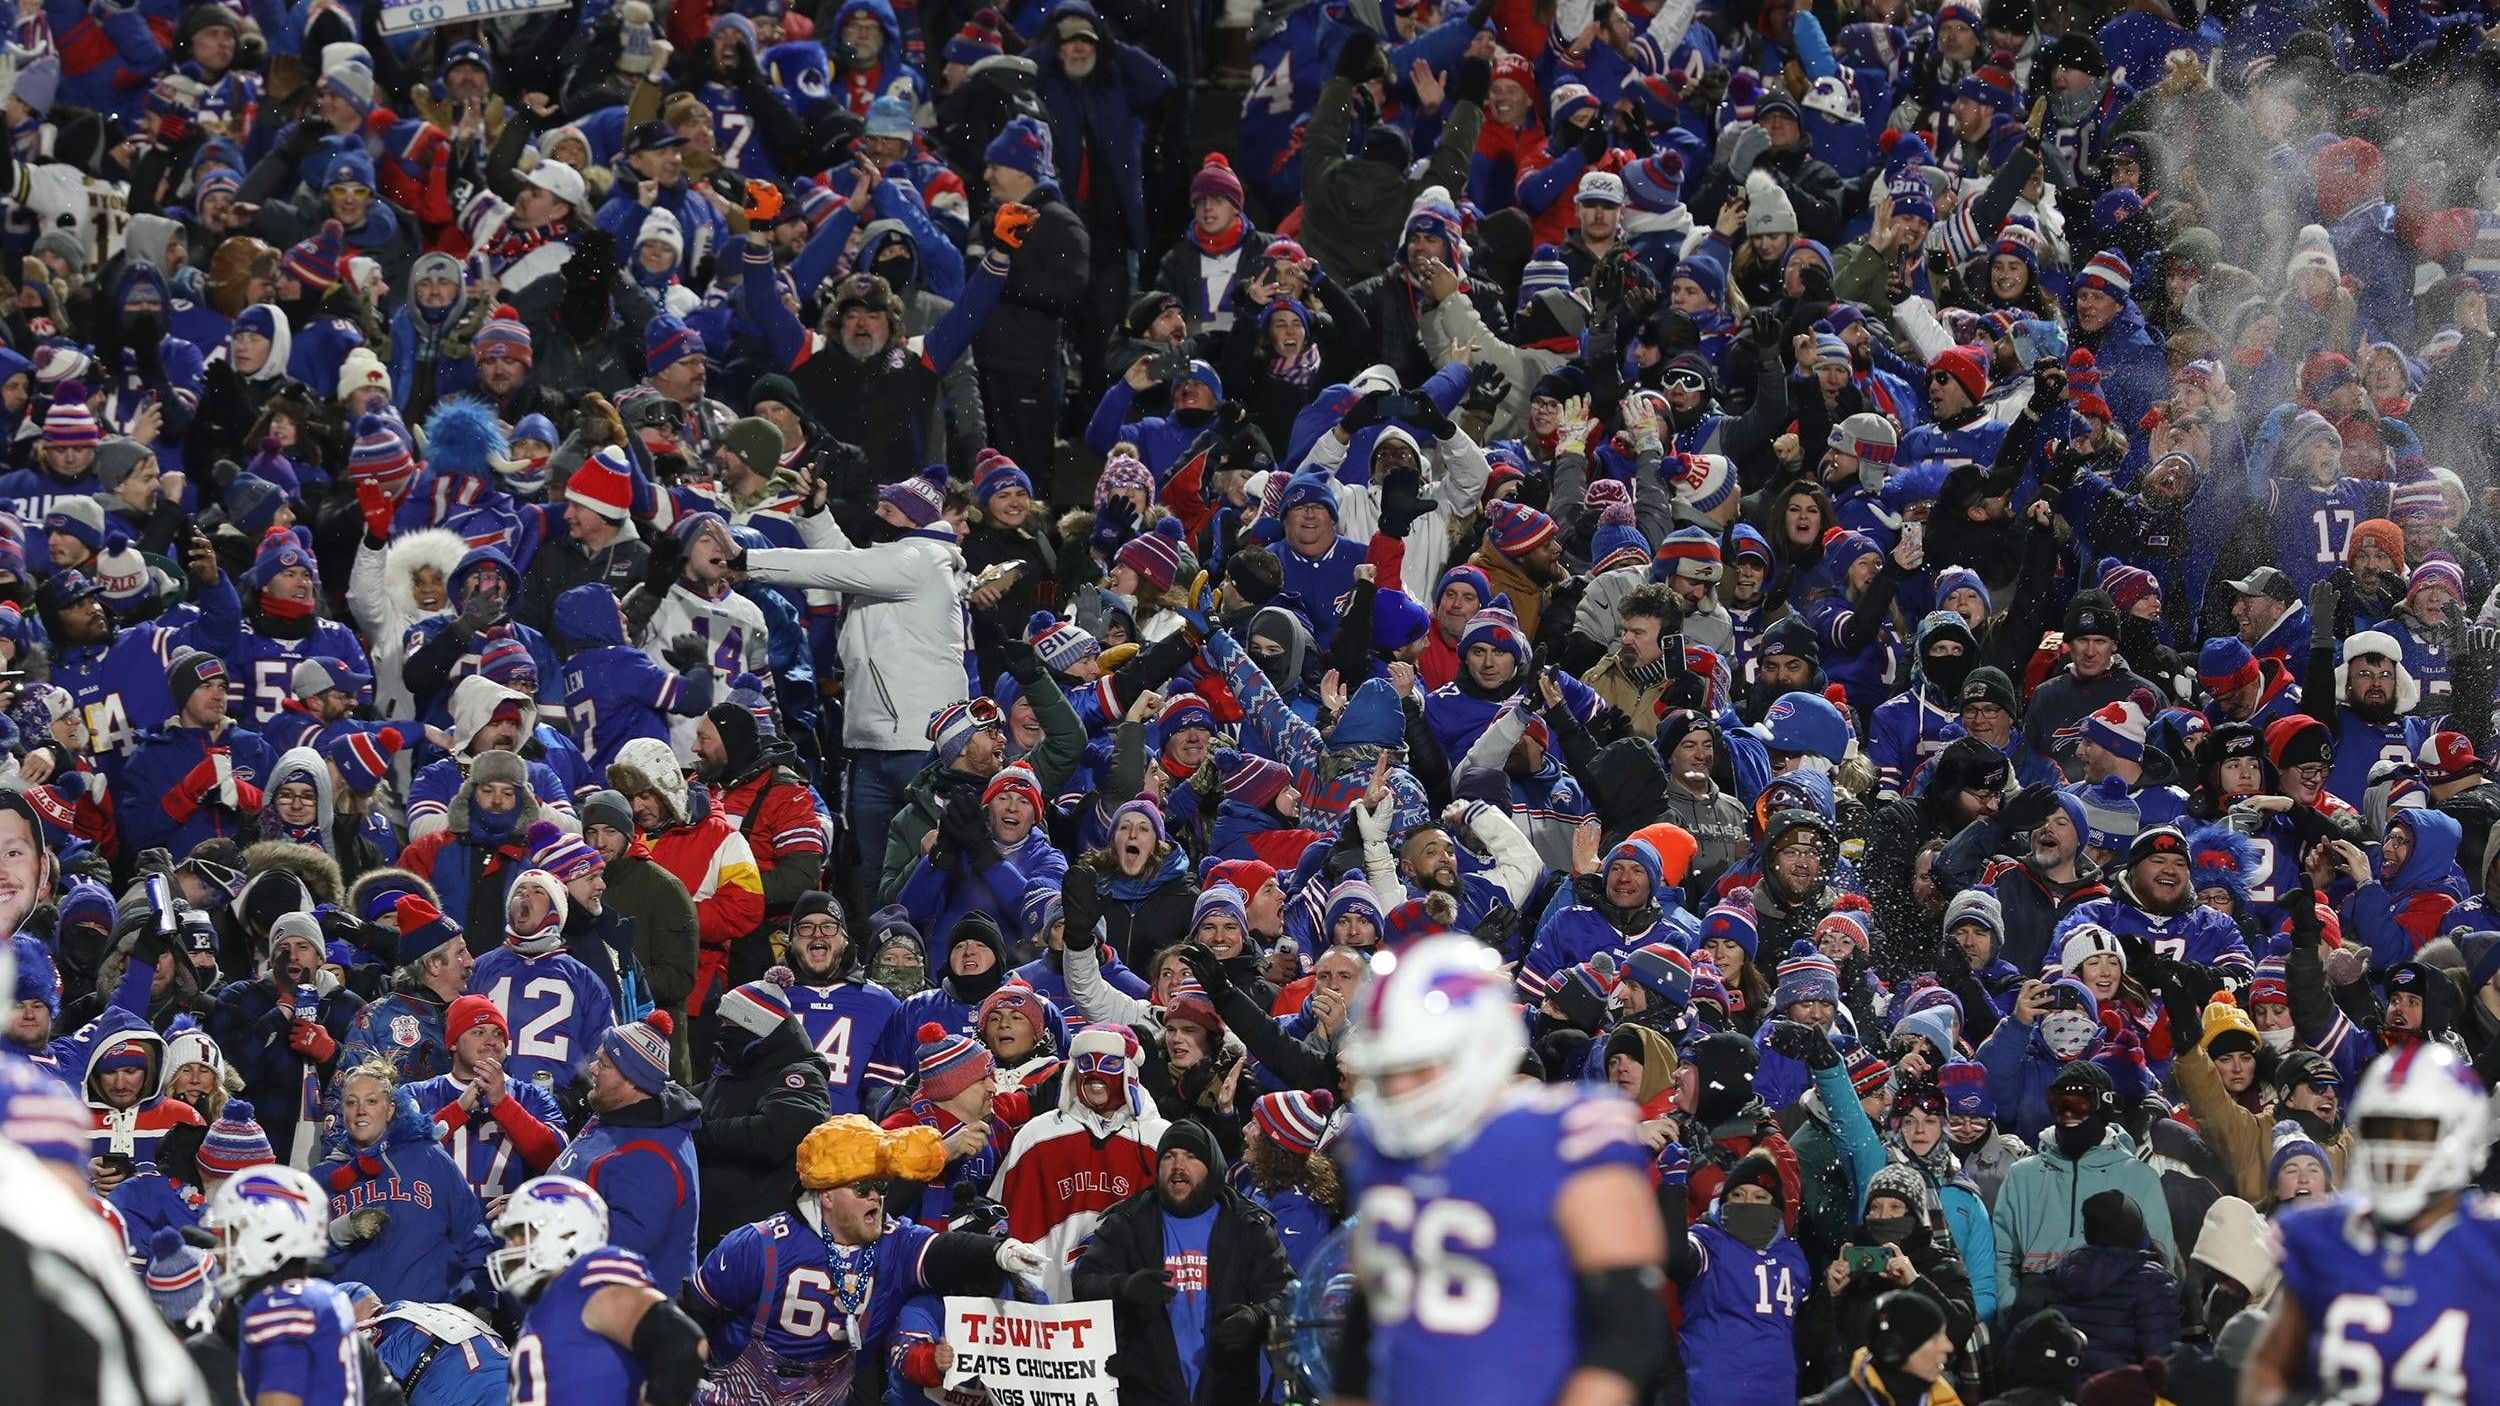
(755, 1111)
(1046, 284)
(1245, 1265)
(2124, 1302)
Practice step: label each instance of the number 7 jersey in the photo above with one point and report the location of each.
(1471, 1289)
(2396, 1320)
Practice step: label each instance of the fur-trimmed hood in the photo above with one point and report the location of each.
(316, 868)
(437, 547)
(648, 764)
(373, 881)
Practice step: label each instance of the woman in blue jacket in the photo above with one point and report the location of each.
(414, 1228)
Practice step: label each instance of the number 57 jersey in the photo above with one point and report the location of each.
(2397, 1320)
(1469, 1283)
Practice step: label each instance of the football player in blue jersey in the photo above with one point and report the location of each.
(1511, 1250)
(598, 1331)
(794, 1301)
(2382, 1284)
(294, 1335)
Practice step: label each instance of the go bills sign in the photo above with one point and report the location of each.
(399, 18)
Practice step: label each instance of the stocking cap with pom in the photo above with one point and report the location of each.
(1296, 1121)
(950, 1062)
(920, 498)
(760, 1006)
(1154, 555)
(639, 1051)
(177, 1276)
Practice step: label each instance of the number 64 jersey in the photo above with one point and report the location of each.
(1470, 1287)
(2396, 1320)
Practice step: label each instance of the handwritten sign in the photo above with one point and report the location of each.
(1026, 1354)
(401, 16)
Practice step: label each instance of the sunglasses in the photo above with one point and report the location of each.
(361, 192)
(1110, 1065)
(1938, 378)
(2324, 1085)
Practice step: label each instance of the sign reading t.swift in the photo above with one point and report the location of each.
(401, 16)
(1025, 1354)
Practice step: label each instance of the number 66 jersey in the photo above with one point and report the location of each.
(2397, 1320)
(1468, 1281)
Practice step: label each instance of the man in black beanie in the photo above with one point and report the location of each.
(2043, 1362)
(2093, 675)
(1196, 1275)
(1906, 1349)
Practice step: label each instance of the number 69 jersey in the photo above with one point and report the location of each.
(2398, 1321)
(794, 1302)
(1470, 1286)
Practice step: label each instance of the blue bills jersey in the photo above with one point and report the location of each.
(1471, 1288)
(858, 1029)
(2397, 1320)
(557, 1361)
(555, 1007)
(1740, 1319)
(299, 1340)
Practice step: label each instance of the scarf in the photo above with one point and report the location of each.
(1298, 369)
(1223, 241)
(1644, 675)
(277, 609)
(511, 245)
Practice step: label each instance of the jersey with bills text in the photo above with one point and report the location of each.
(1470, 1284)
(2396, 1320)
(488, 1159)
(555, 1007)
(858, 1029)
(1740, 1317)
(299, 1340)
(558, 1362)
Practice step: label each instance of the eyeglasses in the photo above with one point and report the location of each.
(817, 927)
(1109, 1065)
(1793, 851)
(2308, 771)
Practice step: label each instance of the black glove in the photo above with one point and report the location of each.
(1367, 412)
(1499, 927)
(2302, 904)
(2148, 967)
(2325, 600)
(1486, 387)
(1763, 325)
(1238, 1328)
(1593, 144)
(477, 613)
(1024, 662)
(1207, 968)
(1431, 421)
(1114, 525)
(1146, 1288)
(2187, 1016)
(1803, 1043)
(961, 824)
(668, 558)
(1952, 964)
(683, 653)
(1816, 280)
(2048, 384)
(1474, 82)
(1359, 58)
(1080, 906)
(2028, 810)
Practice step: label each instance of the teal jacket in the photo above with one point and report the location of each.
(2039, 1213)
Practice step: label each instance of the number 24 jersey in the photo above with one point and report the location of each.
(2393, 1319)
(1469, 1282)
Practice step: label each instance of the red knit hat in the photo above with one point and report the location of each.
(1965, 367)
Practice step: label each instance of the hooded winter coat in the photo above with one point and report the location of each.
(381, 595)
(758, 1104)
(706, 853)
(2039, 1210)
(1071, 1165)
(434, 1238)
(2398, 914)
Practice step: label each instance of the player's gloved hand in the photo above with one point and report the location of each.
(1147, 1288)
(1020, 1259)
(1238, 1328)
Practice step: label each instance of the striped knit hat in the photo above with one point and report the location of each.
(363, 758)
(2271, 986)
(1251, 780)
(1062, 644)
(2417, 501)
(317, 262)
(177, 1274)
(1495, 625)
(1735, 922)
(950, 1062)
(1545, 270)
(604, 484)
(1183, 711)
(1516, 529)
(1691, 553)
(1663, 970)
(1869, 1073)
(422, 928)
(504, 335)
(1016, 779)
(70, 424)
(1704, 481)
(1190, 1003)
(760, 1006)
(561, 853)
(950, 730)
(381, 454)
(2108, 272)
(640, 1051)
(1154, 555)
(235, 1142)
(1806, 975)
(2438, 571)
(667, 340)
(920, 498)
(993, 472)
(1295, 1120)
(509, 662)
(1964, 1084)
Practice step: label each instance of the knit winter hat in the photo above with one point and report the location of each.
(995, 472)
(69, 424)
(1545, 272)
(1015, 779)
(178, 1274)
(1295, 1120)
(639, 1051)
(2291, 1142)
(950, 1062)
(950, 730)
(468, 1013)
(667, 340)
(235, 1142)
(1221, 899)
(561, 852)
(504, 335)
(1967, 368)
(317, 262)
(1964, 1084)
(920, 498)
(760, 1006)
(1250, 779)
(80, 518)
(1022, 145)
(1515, 529)
(1735, 922)
(2107, 272)
(1155, 555)
(1216, 180)
(422, 928)
(1806, 975)
(1061, 643)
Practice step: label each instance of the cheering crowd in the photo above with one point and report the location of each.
(680, 676)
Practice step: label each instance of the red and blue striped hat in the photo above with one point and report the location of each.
(1295, 1120)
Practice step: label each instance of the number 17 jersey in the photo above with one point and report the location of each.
(1470, 1286)
(2398, 1320)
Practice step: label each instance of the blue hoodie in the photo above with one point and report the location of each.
(2402, 911)
(613, 691)
(464, 578)
(435, 1237)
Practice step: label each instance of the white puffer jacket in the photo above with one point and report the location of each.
(906, 628)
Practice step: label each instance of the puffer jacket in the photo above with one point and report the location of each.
(904, 628)
(756, 1107)
(2124, 1302)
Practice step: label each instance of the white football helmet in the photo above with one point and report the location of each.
(559, 1220)
(1442, 1004)
(263, 1218)
(2401, 1176)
